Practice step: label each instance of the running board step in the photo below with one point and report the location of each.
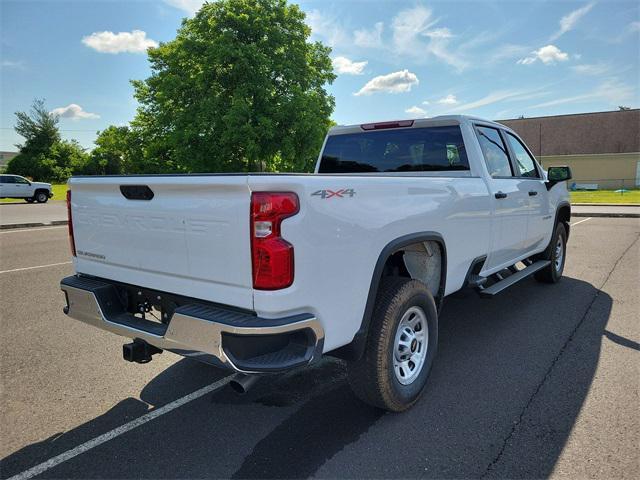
(512, 279)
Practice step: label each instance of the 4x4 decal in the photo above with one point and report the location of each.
(330, 193)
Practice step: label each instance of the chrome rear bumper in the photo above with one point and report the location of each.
(205, 332)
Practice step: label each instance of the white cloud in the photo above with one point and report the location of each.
(413, 36)
(569, 21)
(109, 42)
(611, 91)
(74, 112)
(591, 69)
(498, 96)
(507, 51)
(327, 28)
(396, 82)
(440, 33)
(348, 67)
(548, 55)
(448, 100)
(189, 6)
(12, 64)
(634, 27)
(417, 111)
(369, 38)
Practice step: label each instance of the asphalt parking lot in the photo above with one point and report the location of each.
(542, 381)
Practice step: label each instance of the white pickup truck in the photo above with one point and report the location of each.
(262, 273)
(15, 186)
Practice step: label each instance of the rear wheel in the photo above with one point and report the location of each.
(401, 346)
(41, 197)
(556, 254)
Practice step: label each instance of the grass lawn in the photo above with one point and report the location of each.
(59, 193)
(606, 196)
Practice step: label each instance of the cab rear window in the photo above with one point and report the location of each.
(429, 149)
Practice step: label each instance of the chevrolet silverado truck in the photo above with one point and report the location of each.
(262, 273)
(15, 186)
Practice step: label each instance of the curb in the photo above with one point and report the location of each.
(605, 214)
(10, 226)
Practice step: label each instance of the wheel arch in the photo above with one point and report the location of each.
(355, 348)
(563, 214)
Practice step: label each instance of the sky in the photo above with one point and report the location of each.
(393, 59)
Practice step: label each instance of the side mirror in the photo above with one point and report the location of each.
(557, 175)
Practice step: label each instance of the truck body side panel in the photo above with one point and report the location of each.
(338, 239)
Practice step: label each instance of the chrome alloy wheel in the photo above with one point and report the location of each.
(559, 253)
(410, 346)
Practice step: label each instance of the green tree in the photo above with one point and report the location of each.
(112, 153)
(66, 158)
(38, 127)
(240, 88)
(44, 156)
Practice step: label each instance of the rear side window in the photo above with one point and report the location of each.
(494, 151)
(430, 149)
(7, 179)
(524, 162)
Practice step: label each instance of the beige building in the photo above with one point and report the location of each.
(601, 148)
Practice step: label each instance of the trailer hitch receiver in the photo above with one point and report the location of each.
(139, 351)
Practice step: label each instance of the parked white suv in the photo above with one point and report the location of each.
(15, 186)
(262, 273)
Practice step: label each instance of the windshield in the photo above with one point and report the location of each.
(408, 150)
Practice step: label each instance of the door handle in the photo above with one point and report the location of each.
(500, 195)
(533, 193)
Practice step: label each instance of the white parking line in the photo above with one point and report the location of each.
(573, 224)
(31, 229)
(147, 417)
(37, 266)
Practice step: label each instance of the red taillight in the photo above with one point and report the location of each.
(72, 242)
(271, 255)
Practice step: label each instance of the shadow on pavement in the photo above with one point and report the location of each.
(625, 342)
(494, 358)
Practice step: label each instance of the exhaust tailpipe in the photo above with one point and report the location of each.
(241, 383)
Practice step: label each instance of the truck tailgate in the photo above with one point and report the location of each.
(191, 238)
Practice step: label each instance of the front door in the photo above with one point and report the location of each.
(22, 187)
(541, 217)
(510, 201)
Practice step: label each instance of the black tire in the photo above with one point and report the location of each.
(41, 196)
(373, 377)
(553, 273)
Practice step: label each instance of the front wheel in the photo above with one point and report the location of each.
(556, 254)
(401, 345)
(42, 197)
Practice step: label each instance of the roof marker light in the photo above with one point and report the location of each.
(383, 125)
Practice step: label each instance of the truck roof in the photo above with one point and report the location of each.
(416, 123)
